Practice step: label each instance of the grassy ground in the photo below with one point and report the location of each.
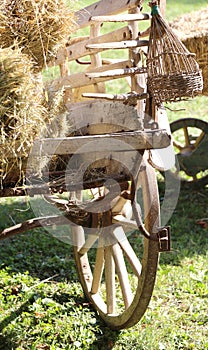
(42, 305)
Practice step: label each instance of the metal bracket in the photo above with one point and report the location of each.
(164, 239)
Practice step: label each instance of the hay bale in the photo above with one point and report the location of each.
(25, 114)
(39, 27)
(192, 29)
(22, 111)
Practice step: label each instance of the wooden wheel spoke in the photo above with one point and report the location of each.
(186, 135)
(78, 236)
(127, 224)
(199, 139)
(128, 250)
(177, 145)
(91, 239)
(98, 269)
(110, 281)
(111, 278)
(122, 275)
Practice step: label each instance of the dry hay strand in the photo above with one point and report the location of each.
(39, 27)
(22, 112)
(173, 73)
(192, 29)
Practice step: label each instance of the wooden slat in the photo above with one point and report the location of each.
(127, 44)
(117, 142)
(80, 79)
(103, 7)
(121, 18)
(76, 50)
(131, 97)
(117, 73)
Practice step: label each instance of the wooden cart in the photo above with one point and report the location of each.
(116, 230)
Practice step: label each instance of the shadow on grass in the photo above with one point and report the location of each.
(6, 342)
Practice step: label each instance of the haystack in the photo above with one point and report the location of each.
(25, 114)
(39, 27)
(22, 111)
(31, 31)
(192, 29)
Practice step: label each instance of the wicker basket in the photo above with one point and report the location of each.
(173, 73)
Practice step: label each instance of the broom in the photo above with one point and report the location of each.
(173, 73)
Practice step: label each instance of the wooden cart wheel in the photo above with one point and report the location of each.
(190, 140)
(117, 267)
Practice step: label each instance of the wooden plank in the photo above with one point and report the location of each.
(78, 49)
(121, 18)
(118, 142)
(103, 7)
(127, 44)
(110, 116)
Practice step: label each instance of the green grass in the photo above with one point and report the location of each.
(175, 9)
(42, 305)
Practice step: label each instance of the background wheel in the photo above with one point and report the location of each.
(190, 141)
(116, 265)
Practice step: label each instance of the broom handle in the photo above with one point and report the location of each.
(162, 4)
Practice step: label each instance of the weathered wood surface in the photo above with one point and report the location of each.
(99, 117)
(81, 79)
(31, 224)
(79, 218)
(121, 18)
(162, 4)
(116, 73)
(129, 98)
(118, 45)
(118, 142)
(77, 49)
(103, 7)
